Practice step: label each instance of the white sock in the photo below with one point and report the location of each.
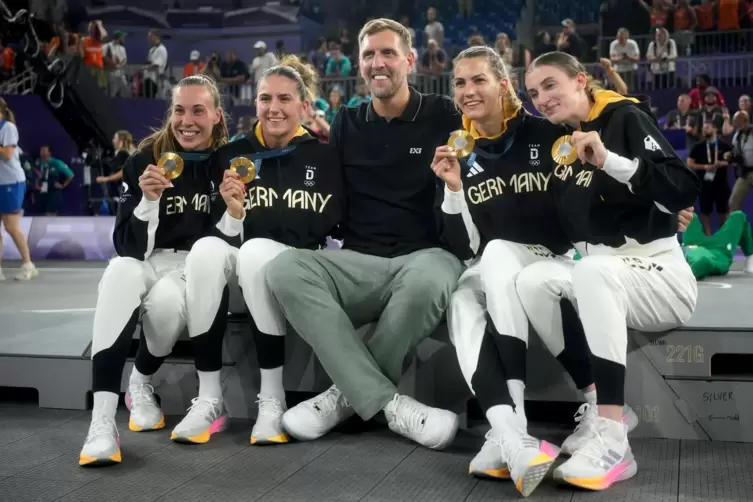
(137, 377)
(271, 384)
(517, 391)
(210, 385)
(501, 417)
(590, 397)
(106, 402)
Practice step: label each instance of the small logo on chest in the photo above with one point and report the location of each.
(533, 155)
(415, 151)
(310, 173)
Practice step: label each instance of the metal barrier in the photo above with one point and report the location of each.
(690, 43)
(725, 69)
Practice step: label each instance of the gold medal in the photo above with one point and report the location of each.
(171, 165)
(462, 142)
(563, 151)
(245, 168)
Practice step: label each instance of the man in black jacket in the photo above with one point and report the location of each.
(392, 270)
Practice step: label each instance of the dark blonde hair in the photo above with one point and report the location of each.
(500, 69)
(304, 75)
(383, 24)
(126, 140)
(570, 65)
(163, 140)
(7, 112)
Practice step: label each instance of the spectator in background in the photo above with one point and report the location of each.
(263, 61)
(743, 105)
(625, 54)
(568, 41)
(433, 29)
(346, 44)
(405, 21)
(8, 63)
(434, 59)
(703, 82)
(707, 158)
(338, 64)
(116, 59)
(683, 21)
(686, 119)
(476, 39)
(90, 49)
(657, 11)
(742, 157)
(154, 71)
(706, 22)
(234, 73)
(112, 177)
(335, 103)
(54, 176)
(362, 94)
(662, 54)
(194, 65)
(711, 111)
(280, 49)
(503, 46)
(543, 44)
(317, 123)
(319, 57)
(244, 126)
(213, 66)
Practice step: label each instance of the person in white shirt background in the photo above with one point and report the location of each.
(154, 71)
(116, 59)
(12, 191)
(264, 60)
(625, 54)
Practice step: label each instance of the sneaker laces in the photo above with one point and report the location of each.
(327, 402)
(584, 418)
(410, 416)
(493, 438)
(594, 448)
(204, 406)
(141, 393)
(513, 442)
(269, 406)
(101, 425)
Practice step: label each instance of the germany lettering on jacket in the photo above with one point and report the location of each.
(506, 187)
(178, 219)
(296, 198)
(634, 199)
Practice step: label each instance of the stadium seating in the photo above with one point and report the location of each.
(552, 13)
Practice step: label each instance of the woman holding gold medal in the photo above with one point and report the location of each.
(281, 190)
(164, 209)
(497, 210)
(619, 187)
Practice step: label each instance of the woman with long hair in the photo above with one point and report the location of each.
(294, 201)
(503, 218)
(619, 186)
(158, 221)
(12, 191)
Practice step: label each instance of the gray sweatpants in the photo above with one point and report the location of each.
(325, 295)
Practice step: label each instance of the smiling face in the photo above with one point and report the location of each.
(385, 63)
(478, 91)
(193, 117)
(556, 95)
(279, 106)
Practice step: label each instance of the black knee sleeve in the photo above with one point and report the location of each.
(490, 378)
(270, 350)
(207, 347)
(609, 378)
(576, 358)
(146, 363)
(108, 364)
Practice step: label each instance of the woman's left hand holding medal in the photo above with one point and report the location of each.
(233, 192)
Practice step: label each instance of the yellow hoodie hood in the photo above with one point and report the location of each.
(260, 137)
(602, 100)
(511, 111)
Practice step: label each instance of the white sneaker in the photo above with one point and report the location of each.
(268, 428)
(27, 273)
(317, 416)
(205, 417)
(102, 445)
(527, 458)
(488, 462)
(748, 268)
(604, 459)
(146, 415)
(431, 427)
(584, 419)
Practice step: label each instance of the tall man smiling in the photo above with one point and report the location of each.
(392, 269)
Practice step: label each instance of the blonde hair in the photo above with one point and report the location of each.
(163, 140)
(126, 140)
(383, 24)
(500, 69)
(571, 66)
(304, 75)
(7, 112)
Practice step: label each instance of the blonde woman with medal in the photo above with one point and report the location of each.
(281, 189)
(619, 187)
(163, 211)
(499, 214)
